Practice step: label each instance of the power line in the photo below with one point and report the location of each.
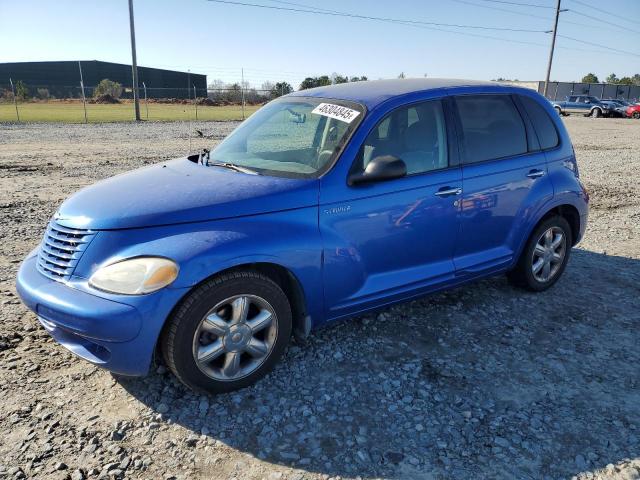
(603, 21)
(601, 46)
(530, 15)
(533, 5)
(630, 20)
(490, 7)
(425, 25)
(368, 17)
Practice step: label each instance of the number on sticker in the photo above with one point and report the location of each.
(338, 112)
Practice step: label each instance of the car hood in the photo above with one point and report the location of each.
(181, 191)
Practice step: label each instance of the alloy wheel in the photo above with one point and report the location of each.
(548, 254)
(235, 337)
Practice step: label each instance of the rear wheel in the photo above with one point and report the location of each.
(558, 110)
(545, 255)
(228, 333)
(596, 113)
(636, 115)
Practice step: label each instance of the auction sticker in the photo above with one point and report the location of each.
(336, 111)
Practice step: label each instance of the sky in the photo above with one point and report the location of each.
(221, 39)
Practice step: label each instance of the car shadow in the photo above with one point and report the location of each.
(484, 381)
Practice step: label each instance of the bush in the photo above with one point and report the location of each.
(106, 99)
(7, 95)
(43, 94)
(108, 87)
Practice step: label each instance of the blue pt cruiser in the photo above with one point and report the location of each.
(325, 204)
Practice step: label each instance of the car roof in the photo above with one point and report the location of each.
(373, 92)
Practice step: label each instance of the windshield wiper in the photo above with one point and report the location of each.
(205, 156)
(233, 166)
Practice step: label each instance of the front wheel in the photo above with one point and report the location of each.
(228, 333)
(636, 115)
(544, 257)
(558, 110)
(596, 113)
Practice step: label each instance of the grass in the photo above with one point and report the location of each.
(72, 112)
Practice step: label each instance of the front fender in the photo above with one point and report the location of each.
(289, 239)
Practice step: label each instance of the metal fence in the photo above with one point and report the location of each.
(26, 102)
(560, 90)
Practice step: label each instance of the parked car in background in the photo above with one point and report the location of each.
(633, 111)
(617, 108)
(325, 204)
(582, 104)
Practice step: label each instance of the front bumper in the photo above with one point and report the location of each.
(118, 336)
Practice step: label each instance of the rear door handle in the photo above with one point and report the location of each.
(535, 173)
(448, 191)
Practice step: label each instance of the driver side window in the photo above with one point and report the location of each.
(415, 134)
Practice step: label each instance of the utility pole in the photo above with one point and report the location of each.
(15, 100)
(134, 63)
(553, 46)
(84, 100)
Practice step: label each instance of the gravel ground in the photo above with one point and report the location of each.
(480, 382)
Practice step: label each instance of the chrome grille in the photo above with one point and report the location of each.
(61, 249)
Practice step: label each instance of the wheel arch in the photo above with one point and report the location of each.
(566, 210)
(282, 276)
(570, 214)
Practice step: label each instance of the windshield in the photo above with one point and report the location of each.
(292, 137)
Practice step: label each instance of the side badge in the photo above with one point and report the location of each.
(336, 210)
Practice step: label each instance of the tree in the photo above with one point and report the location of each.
(636, 79)
(625, 81)
(267, 86)
(338, 78)
(322, 81)
(22, 92)
(281, 88)
(216, 84)
(590, 78)
(358, 79)
(307, 83)
(612, 78)
(312, 82)
(402, 75)
(108, 87)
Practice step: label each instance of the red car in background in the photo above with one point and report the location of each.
(633, 111)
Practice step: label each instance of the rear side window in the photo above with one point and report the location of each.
(546, 130)
(492, 127)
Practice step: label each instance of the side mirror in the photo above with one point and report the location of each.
(386, 167)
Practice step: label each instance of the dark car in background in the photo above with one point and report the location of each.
(618, 108)
(586, 105)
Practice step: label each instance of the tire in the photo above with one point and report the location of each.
(238, 335)
(636, 115)
(558, 110)
(596, 113)
(523, 275)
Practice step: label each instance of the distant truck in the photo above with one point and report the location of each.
(584, 104)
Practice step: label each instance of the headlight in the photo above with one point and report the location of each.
(135, 276)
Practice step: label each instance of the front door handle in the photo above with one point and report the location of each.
(535, 173)
(448, 191)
